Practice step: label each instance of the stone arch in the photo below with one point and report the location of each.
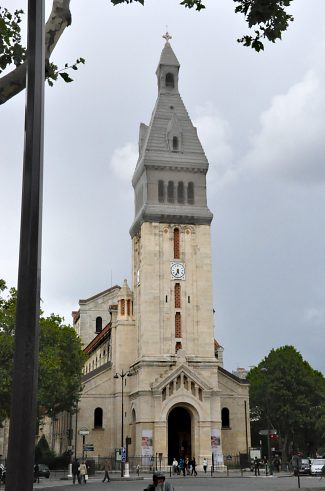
(182, 422)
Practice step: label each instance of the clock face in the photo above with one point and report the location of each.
(177, 270)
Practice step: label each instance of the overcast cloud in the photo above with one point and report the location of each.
(260, 118)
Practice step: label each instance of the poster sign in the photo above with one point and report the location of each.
(146, 447)
(216, 446)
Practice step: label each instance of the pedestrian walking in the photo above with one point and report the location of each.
(75, 471)
(181, 466)
(138, 470)
(106, 469)
(193, 464)
(256, 466)
(205, 465)
(187, 465)
(36, 473)
(175, 466)
(83, 473)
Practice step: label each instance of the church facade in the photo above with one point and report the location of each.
(154, 379)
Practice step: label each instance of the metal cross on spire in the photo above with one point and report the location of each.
(167, 36)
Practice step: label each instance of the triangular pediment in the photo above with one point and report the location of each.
(181, 375)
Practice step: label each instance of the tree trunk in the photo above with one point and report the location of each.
(60, 18)
(284, 448)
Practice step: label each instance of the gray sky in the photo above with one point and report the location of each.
(260, 118)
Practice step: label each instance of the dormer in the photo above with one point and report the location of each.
(174, 135)
(167, 70)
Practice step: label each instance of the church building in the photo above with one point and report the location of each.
(154, 379)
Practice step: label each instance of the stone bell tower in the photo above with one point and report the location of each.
(172, 279)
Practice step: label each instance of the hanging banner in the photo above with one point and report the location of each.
(216, 446)
(146, 447)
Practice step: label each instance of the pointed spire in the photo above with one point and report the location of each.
(168, 56)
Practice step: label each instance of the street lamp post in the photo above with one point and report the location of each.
(25, 372)
(122, 375)
(264, 370)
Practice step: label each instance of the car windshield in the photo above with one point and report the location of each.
(318, 462)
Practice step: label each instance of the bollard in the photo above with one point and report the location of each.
(126, 470)
(211, 470)
(170, 471)
(241, 471)
(227, 471)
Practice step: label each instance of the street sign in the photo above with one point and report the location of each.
(84, 431)
(89, 447)
(123, 454)
(268, 432)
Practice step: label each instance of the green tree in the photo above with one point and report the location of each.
(43, 453)
(61, 359)
(267, 18)
(287, 394)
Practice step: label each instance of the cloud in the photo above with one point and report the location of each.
(124, 160)
(290, 143)
(214, 133)
(315, 317)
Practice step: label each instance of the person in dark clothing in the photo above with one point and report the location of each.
(36, 473)
(159, 483)
(193, 464)
(75, 471)
(257, 466)
(106, 469)
(181, 466)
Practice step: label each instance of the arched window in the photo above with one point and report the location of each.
(180, 192)
(178, 325)
(99, 324)
(161, 192)
(176, 243)
(98, 417)
(129, 307)
(170, 80)
(225, 421)
(190, 193)
(177, 295)
(170, 192)
(175, 143)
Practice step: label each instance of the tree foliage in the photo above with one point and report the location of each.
(287, 394)
(268, 18)
(60, 360)
(43, 453)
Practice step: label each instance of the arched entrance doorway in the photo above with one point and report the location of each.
(179, 433)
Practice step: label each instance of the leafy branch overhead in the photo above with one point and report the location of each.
(267, 18)
(13, 53)
(269, 15)
(53, 72)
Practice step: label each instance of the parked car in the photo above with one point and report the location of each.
(316, 466)
(43, 471)
(304, 467)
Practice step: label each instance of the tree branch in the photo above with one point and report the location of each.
(60, 18)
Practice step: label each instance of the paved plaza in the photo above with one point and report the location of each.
(201, 483)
